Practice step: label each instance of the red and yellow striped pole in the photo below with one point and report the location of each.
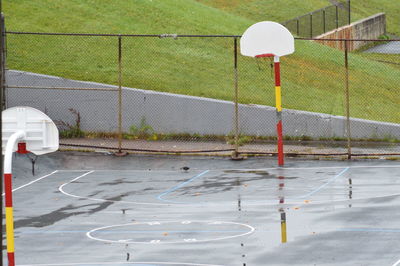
(9, 218)
(278, 104)
(13, 139)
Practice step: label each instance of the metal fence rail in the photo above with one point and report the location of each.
(194, 94)
(320, 21)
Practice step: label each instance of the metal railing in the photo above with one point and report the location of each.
(320, 21)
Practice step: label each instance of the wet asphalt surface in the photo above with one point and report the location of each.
(97, 209)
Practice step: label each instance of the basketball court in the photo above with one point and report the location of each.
(97, 209)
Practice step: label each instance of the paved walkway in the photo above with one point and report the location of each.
(218, 147)
(387, 48)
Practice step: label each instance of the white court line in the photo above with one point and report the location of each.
(122, 170)
(61, 189)
(117, 263)
(396, 263)
(34, 181)
(89, 233)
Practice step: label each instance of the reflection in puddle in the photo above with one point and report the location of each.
(282, 209)
(283, 227)
(350, 190)
(239, 206)
(262, 173)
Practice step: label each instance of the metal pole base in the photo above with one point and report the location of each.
(120, 154)
(237, 157)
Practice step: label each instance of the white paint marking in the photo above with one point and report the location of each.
(154, 223)
(122, 170)
(396, 263)
(89, 234)
(61, 189)
(32, 182)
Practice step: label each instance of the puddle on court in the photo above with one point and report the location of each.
(262, 173)
(230, 180)
(118, 182)
(48, 219)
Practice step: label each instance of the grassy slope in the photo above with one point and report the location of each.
(312, 77)
(259, 10)
(120, 16)
(276, 11)
(362, 9)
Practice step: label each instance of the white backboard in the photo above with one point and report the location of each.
(266, 37)
(41, 132)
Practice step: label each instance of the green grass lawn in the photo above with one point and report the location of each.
(362, 9)
(312, 78)
(259, 10)
(287, 9)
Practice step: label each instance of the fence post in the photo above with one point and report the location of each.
(349, 10)
(235, 154)
(346, 64)
(298, 27)
(311, 28)
(120, 153)
(324, 20)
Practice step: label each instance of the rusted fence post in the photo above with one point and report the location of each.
(120, 153)
(347, 92)
(349, 10)
(235, 154)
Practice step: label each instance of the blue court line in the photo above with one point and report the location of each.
(165, 193)
(325, 184)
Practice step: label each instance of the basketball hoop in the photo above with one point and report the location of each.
(270, 39)
(24, 130)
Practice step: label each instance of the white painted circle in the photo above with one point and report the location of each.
(161, 228)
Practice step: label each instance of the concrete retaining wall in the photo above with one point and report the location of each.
(368, 28)
(172, 113)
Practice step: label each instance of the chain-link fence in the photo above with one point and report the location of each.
(188, 94)
(320, 21)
